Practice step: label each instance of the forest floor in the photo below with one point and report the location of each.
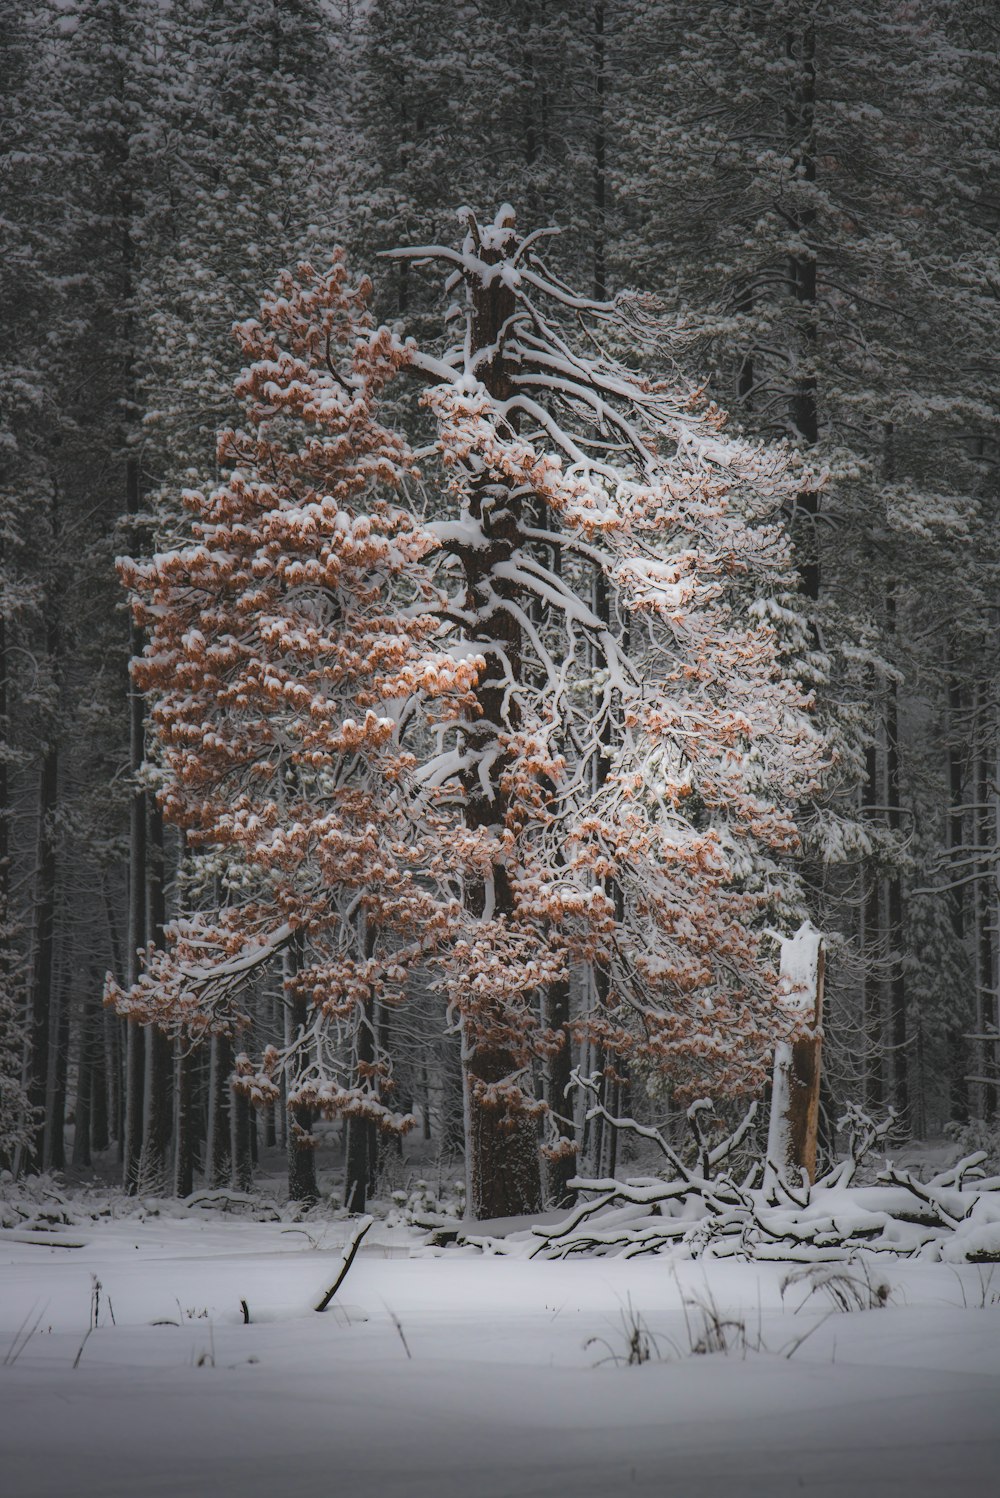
(450, 1373)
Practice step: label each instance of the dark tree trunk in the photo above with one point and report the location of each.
(219, 1158)
(58, 1078)
(88, 1037)
(298, 1131)
(600, 179)
(239, 1114)
(801, 129)
(100, 1134)
(894, 901)
(874, 1079)
(501, 1147)
(159, 1058)
(158, 1111)
(135, 1050)
(83, 1110)
(556, 1082)
(43, 949)
(361, 1145)
(958, 1089)
(184, 1123)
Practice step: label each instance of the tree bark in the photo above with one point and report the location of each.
(159, 1059)
(43, 949)
(298, 1132)
(556, 1082)
(135, 1050)
(218, 1152)
(239, 1114)
(894, 901)
(184, 1131)
(502, 1166)
(792, 1133)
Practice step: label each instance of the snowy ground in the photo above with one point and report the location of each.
(460, 1374)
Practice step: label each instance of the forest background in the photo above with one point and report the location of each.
(811, 193)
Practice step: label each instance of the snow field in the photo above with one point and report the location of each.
(454, 1373)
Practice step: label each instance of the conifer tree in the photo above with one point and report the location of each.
(659, 747)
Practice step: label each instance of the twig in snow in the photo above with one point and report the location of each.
(350, 1250)
(399, 1327)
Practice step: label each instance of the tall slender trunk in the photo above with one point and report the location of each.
(985, 909)
(43, 946)
(558, 1171)
(801, 130)
(871, 955)
(958, 1086)
(159, 1058)
(894, 900)
(360, 1141)
(100, 1134)
(57, 1079)
(298, 1133)
(240, 1128)
(135, 1049)
(89, 1045)
(600, 172)
(219, 1152)
(184, 1127)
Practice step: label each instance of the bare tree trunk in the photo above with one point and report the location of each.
(556, 1081)
(43, 948)
(894, 902)
(984, 909)
(871, 952)
(159, 1058)
(89, 1045)
(135, 1051)
(360, 1155)
(184, 1133)
(793, 1128)
(239, 1115)
(218, 1161)
(801, 131)
(58, 1077)
(957, 1056)
(298, 1134)
(100, 1136)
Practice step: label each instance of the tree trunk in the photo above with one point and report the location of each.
(556, 1082)
(894, 901)
(502, 1162)
(86, 1047)
(298, 1133)
(43, 948)
(874, 1048)
(239, 1114)
(958, 1089)
(159, 1058)
(792, 1133)
(800, 128)
(135, 1050)
(361, 1146)
(100, 1108)
(184, 1130)
(58, 1078)
(218, 1161)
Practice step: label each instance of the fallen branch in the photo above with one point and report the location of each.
(350, 1252)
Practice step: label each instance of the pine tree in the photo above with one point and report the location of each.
(287, 638)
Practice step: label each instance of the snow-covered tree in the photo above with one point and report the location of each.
(291, 638)
(640, 742)
(600, 639)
